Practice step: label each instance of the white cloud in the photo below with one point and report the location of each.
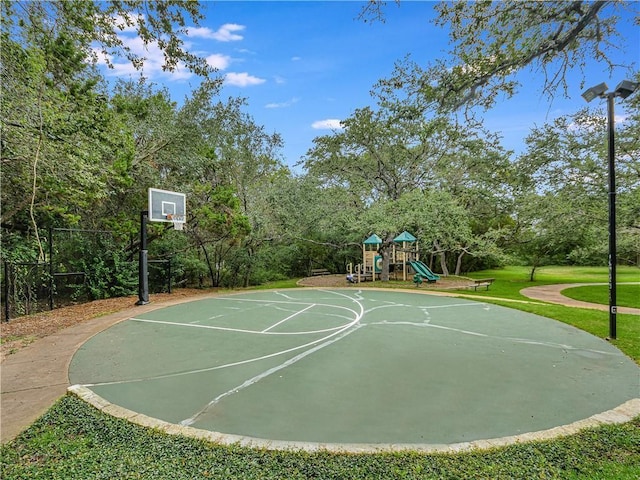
(286, 104)
(620, 118)
(224, 34)
(242, 79)
(595, 124)
(127, 23)
(327, 124)
(219, 61)
(153, 60)
(153, 56)
(296, 59)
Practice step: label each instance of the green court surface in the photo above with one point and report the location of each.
(355, 366)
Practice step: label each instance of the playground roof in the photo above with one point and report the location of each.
(405, 237)
(373, 240)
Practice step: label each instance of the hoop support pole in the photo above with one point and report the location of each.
(143, 262)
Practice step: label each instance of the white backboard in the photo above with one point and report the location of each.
(166, 206)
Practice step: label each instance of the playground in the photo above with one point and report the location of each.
(354, 367)
(404, 261)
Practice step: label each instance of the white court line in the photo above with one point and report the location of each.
(239, 330)
(260, 376)
(233, 364)
(288, 318)
(469, 304)
(266, 302)
(525, 341)
(344, 332)
(193, 325)
(426, 308)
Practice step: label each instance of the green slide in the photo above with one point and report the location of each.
(424, 271)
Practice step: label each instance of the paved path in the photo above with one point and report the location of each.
(553, 294)
(33, 378)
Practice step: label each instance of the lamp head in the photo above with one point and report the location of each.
(626, 88)
(593, 92)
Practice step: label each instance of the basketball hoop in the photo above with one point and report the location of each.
(177, 220)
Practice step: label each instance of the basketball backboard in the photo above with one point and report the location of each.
(166, 206)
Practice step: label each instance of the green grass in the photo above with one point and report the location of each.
(75, 440)
(554, 274)
(626, 295)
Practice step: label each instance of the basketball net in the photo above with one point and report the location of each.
(177, 220)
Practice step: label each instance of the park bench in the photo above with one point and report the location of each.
(482, 282)
(319, 271)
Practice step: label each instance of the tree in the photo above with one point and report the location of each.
(216, 225)
(402, 147)
(56, 134)
(493, 41)
(318, 224)
(561, 202)
(159, 23)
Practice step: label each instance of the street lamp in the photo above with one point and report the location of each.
(623, 90)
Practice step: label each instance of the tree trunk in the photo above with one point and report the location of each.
(459, 263)
(247, 272)
(443, 258)
(211, 272)
(533, 273)
(443, 263)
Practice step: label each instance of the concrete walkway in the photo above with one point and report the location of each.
(33, 378)
(553, 294)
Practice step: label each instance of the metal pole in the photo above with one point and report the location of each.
(51, 269)
(7, 309)
(612, 220)
(143, 266)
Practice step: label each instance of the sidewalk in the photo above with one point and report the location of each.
(553, 294)
(36, 376)
(33, 378)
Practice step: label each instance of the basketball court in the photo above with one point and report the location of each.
(351, 366)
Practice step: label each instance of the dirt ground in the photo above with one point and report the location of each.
(22, 331)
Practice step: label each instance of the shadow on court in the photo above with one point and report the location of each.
(355, 366)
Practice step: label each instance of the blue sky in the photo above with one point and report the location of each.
(305, 65)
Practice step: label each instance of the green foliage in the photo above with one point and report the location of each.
(74, 440)
(107, 271)
(76, 154)
(492, 42)
(93, 24)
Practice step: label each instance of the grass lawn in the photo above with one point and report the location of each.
(626, 295)
(74, 440)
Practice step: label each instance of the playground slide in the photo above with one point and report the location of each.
(424, 271)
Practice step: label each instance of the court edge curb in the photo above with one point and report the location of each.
(621, 414)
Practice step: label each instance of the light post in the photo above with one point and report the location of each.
(623, 90)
